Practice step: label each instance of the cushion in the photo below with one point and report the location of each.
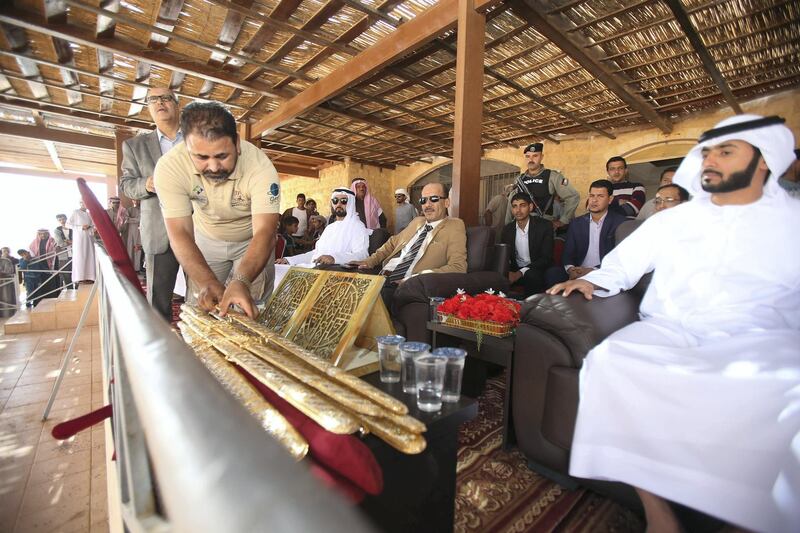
(345, 455)
(479, 240)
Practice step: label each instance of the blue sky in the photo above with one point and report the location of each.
(28, 203)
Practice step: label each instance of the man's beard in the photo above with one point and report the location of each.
(736, 180)
(216, 176)
(340, 212)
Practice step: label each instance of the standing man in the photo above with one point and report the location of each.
(649, 207)
(629, 197)
(404, 212)
(220, 199)
(133, 239)
(542, 185)
(530, 240)
(367, 206)
(118, 215)
(495, 214)
(139, 157)
(590, 237)
(301, 214)
(697, 402)
(63, 237)
(82, 244)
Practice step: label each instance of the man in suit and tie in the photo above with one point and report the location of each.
(590, 237)
(530, 240)
(139, 157)
(431, 243)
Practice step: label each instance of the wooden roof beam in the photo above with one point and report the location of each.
(346, 148)
(16, 39)
(42, 133)
(168, 13)
(51, 149)
(57, 11)
(295, 170)
(71, 112)
(134, 51)
(702, 52)
(302, 150)
(411, 35)
(553, 29)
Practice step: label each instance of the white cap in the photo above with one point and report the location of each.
(401, 191)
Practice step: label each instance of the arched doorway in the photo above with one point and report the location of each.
(494, 176)
(646, 163)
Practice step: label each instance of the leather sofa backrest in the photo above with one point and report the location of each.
(377, 239)
(479, 240)
(622, 233)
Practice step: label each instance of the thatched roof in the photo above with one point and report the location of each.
(551, 69)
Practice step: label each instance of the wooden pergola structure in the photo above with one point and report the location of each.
(382, 82)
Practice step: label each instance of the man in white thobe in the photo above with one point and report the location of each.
(698, 402)
(82, 245)
(345, 240)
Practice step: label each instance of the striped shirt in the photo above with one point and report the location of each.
(632, 193)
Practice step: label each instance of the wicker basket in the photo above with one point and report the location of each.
(479, 326)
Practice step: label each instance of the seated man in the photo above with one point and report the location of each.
(628, 196)
(790, 181)
(649, 207)
(669, 196)
(219, 196)
(345, 240)
(697, 402)
(432, 243)
(530, 240)
(589, 237)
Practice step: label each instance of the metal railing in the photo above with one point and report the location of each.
(188, 456)
(39, 292)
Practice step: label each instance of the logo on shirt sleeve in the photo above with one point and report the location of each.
(274, 193)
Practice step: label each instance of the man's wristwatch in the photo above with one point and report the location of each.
(243, 279)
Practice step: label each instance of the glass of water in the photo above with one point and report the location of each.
(429, 370)
(408, 352)
(453, 372)
(389, 357)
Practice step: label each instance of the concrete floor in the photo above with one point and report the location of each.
(46, 484)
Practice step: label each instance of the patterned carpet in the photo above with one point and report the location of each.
(497, 492)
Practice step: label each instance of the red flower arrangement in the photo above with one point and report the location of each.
(486, 307)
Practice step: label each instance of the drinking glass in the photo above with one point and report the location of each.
(429, 373)
(389, 357)
(409, 351)
(453, 372)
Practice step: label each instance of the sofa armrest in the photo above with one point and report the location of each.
(421, 288)
(579, 323)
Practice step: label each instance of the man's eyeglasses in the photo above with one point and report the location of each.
(435, 198)
(659, 201)
(164, 98)
(336, 201)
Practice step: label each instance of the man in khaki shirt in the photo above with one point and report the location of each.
(219, 197)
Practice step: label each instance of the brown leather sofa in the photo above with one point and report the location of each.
(487, 268)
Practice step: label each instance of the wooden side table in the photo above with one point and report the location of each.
(497, 350)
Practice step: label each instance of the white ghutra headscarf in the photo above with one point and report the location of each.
(768, 134)
(345, 240)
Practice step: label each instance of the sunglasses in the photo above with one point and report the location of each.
(164, 98)
(435, 198)
(336, 201)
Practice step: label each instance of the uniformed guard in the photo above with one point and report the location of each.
(543, 185)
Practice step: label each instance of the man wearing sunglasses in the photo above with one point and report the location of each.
(344, 240)
(432, 243)
(139, 157)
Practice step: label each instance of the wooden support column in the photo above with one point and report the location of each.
(245, 130)
(120, 136)
(469, 112)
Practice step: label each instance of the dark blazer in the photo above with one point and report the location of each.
(540, 244)
(578, 238)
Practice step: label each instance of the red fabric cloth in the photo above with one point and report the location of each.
(67, 429)
(108, 233)
(345, 455)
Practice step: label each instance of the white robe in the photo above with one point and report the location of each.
(699, 401)
(82, 246)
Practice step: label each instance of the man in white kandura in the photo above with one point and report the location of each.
(699, 402)
(345, 240)
(82, 244)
